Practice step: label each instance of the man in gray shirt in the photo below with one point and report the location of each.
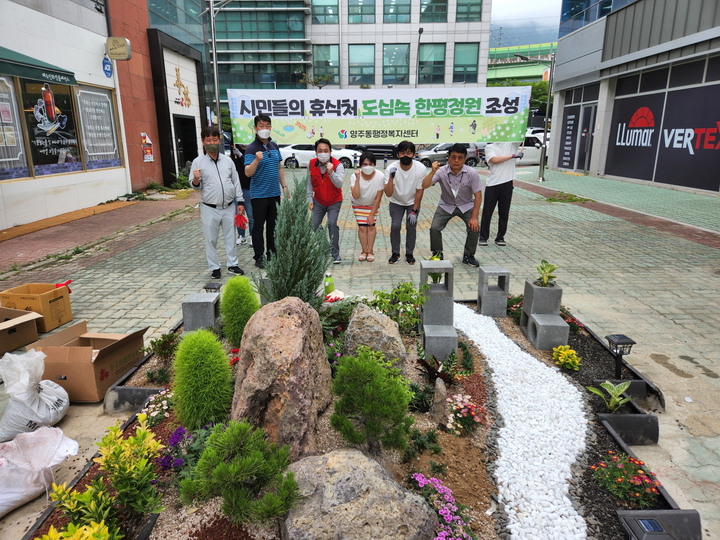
(461, 195)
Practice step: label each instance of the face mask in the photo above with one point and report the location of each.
(264, 133)
(212, 148)
(367, 170)
(324, 158)
(406, 160)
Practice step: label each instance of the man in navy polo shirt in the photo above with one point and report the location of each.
(263, 165)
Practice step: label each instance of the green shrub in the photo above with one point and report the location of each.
(422, 397)
(164, 347)
(419, 442)
(468, 361)
(373, 402)
(203, 385)
(248, 472)
(402, 305)
(94, 505)
(303, 254)
(238, 303)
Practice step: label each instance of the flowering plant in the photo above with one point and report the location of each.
(184, 449)
(436, 277)
(158, 407)
(566, 357)
(452, 524)
(627, 479)
(464, 415)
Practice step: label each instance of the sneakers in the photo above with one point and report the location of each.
(236, 270)
(410, 259)
(482, 243)
(216, 274)
(337, 260)
(469, 259)
(240, 241)
(394, 258)
(260, 264)
(500, 243)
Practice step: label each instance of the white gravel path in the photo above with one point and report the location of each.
(544, 431)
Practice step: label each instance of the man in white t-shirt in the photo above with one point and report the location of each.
(403, 184)
(501, 161)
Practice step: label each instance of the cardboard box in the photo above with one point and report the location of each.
(17, 328)
(87, 364)
(53, 303)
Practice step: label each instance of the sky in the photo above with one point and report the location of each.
(524, 22)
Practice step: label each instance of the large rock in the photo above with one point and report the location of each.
(283, 380)
(347, 495)
(375, 330)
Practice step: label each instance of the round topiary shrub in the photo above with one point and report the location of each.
(203, 383)
(237, 305)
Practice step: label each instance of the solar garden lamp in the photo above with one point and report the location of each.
(620, 345)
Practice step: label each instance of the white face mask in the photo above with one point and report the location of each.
(264, 133)
(367, 170)
(324, 158)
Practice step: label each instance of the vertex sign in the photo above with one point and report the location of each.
(706, 138)
(638, 131)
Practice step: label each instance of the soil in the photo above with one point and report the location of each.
(464, 458)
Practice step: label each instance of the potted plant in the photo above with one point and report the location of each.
(542, 295)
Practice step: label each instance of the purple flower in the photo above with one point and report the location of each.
(178, 462)
(177, 437)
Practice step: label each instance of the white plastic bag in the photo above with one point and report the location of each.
(25, 465)
(33, 403)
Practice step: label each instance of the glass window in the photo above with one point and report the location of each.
(396, 11)
(361, 11)
(433, 10)
(325, 12)
(13, 161)
(50, 121)
(689, 73)
(627, 85)
(713, 69)
(654, 80)
(469, 11)
(466, 62)
(361, 64)
(431, 63)
(396, 64)
(326, 61)
(97, 122)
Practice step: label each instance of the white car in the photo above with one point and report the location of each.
(303, 153)
(532, 149)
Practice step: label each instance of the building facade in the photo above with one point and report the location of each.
(574, 14)
(636, 95)
(357, 43)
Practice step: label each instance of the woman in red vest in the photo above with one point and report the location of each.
(326, 175)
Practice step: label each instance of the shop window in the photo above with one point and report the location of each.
(627, 85)
(50, 121)
(13, 161)
(713, 69)
(97, 123)
(654, 80)
(688, 73)
(591, 92)
(469, 11)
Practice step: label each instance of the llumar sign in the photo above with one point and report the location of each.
(638, 131)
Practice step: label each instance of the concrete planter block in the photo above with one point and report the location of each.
(439, 341)
(438, 310)
(201, 310)
(545, 331)
(543, 300)
(492, 293)
(445, 288)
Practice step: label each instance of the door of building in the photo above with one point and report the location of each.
(186, 140)
(585, 140)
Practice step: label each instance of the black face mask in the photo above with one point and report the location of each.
(406, 160)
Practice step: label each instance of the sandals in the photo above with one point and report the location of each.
(370, 257)
(362, 257)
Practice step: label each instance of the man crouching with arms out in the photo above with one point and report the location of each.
(461, 195)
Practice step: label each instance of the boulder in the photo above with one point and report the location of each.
(283, 379)
(347, 495)
(375, 330)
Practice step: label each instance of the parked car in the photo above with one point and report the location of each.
(532, 150)
(305, 152)
(380, 150)
(536, 131)
(438, 152)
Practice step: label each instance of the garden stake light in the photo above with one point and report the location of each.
(620, 345)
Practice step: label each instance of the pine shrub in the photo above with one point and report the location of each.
(248, 472)
(373, 404)
(303, 254)
(203, 384)
(238, 303)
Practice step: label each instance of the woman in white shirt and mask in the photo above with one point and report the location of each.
(366, 190)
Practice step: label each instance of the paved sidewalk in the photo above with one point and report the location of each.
(642, 274)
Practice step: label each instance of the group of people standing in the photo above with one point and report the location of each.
(250, 184)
